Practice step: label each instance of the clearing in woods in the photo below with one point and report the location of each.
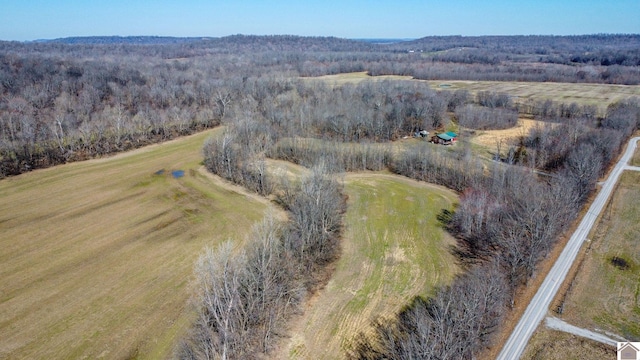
(393, 249)
(96, 256)
(490, 138)
(356, 77)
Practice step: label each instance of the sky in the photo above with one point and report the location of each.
(24, 20)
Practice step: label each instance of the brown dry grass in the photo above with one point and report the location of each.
(393, 249)
(547, 344)
(356, 77)
(490, 138)
(600, 95)
(96, 256)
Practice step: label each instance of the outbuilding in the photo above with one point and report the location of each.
(446, 138)
(421, 133)
(454, 136)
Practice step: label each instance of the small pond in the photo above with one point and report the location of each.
(177, 173)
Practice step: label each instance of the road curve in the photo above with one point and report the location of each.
(538, 306)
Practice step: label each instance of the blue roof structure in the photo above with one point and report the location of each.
(445, 136)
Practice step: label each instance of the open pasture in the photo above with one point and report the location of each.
(96, 257)
(393, 249)
(600, 95)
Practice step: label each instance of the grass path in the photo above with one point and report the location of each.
(96, 256)
(393, 249)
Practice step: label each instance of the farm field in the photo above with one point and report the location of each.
(393, 249)
(96, 256)
(600, 95)
(356, 77)
(605, 292)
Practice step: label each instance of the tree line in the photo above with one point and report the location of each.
(244, 297)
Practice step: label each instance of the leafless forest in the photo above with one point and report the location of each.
(74, 99)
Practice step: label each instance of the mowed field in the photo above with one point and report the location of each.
(394, 248)
(96, 257)
(606, 291)
(600, 95)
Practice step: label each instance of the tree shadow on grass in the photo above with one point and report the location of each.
(463, 250)
(445, 217)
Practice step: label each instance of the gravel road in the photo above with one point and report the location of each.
(557, 324)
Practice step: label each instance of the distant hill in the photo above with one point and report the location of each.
(539, 43)
(384, 40)
(138, 40)
(594, 49)
(290, 43)
(233, 42)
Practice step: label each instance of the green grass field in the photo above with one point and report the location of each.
(394, 248)
(606, 292)
(96, 257)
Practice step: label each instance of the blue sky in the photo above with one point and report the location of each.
(46, 19)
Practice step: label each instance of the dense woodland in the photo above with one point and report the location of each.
(73, 99)
(76, 98)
